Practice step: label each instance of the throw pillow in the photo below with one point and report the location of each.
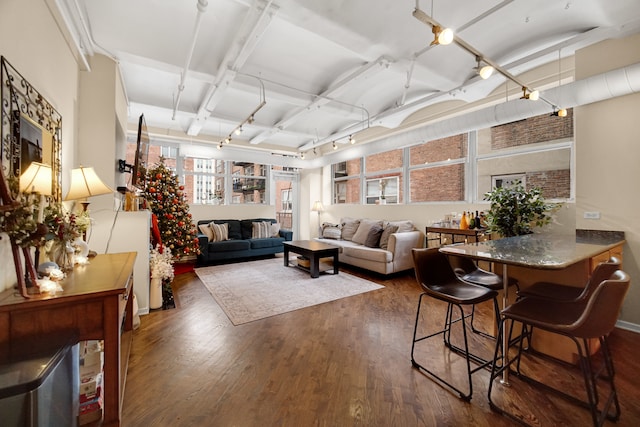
(261, 230)
(363, 230)
(331, 231)
(206, 230)
(220, 231)
(349, 227)
(403, 226)
(373, 238)
(275, 229)
(384, 237)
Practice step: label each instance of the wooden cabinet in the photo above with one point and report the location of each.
(97, 302)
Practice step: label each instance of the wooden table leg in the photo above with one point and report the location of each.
(314, 264)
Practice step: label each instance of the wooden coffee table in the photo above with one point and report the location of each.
(312, 250)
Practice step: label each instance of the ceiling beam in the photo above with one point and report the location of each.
(325, 97)
(253, 28)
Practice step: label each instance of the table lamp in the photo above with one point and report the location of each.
(85, 183)
(37, 179)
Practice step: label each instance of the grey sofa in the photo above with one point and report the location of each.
(240, 245)
(393, 257)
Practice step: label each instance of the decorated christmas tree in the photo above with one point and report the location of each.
(166, 200)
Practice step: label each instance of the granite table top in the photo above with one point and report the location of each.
(544, 251)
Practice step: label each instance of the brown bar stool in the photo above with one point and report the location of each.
(580, 321)
(558, 292)
(468, 271)
(438, 280)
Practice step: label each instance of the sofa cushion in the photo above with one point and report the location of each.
(384, 237)
(233, 228)
(220, 231)
(373, 238)
(331, 231)
(275, 229)
(246, 226)
(269, 242)
(206, 230)
(403, 226)
(229, 245)
(349, 227)
(371, 254)
(365, 226)
(260, 230)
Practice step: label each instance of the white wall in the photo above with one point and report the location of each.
(607, 157)
(41, 55)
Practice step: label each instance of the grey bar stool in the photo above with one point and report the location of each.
(580, 321)
(438, 280)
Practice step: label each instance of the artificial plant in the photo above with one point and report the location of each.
(516, 211)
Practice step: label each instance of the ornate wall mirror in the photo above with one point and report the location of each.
(31, 129)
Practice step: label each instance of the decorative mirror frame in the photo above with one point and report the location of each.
(21, 101)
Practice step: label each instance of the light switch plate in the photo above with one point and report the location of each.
(592, 215)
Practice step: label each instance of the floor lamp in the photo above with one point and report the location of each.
(318, 207)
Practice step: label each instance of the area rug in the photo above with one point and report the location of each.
(254, 290)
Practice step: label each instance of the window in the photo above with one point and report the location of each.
(537, 151)
(508, 181)
(246, 186)
(382, 191)
(286, 202)
(346, 186)
(438, 170)
(204, 180)
(168, 152)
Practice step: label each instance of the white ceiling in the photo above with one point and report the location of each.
(326, 69)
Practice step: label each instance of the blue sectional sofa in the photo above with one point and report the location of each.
(240, 245)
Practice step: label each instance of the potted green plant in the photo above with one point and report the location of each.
(516, 211)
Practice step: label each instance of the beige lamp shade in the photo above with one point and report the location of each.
(37, 179)
(85, 183)
(317, 206)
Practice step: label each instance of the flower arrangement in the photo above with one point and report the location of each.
(63, 226)
(21, 223)
(161, 263)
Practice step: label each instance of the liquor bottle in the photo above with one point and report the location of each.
(472, 221)
(478, 221)
(464, 223)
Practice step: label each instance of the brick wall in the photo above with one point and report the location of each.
(445, 183)
(541, 128)
(439, 150)
(384, 161)
(555, 184)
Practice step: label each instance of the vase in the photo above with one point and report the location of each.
(155, 293)
(62, 254)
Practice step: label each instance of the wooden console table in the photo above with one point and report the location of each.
(96, 303)
(457, 236)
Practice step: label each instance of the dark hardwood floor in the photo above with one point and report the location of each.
(342, 363)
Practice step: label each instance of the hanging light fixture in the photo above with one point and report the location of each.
(352, 140)
(335, 147)
(484, 72)
(559, 113)
(302, 155)
(533, 95)
(443, 36)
